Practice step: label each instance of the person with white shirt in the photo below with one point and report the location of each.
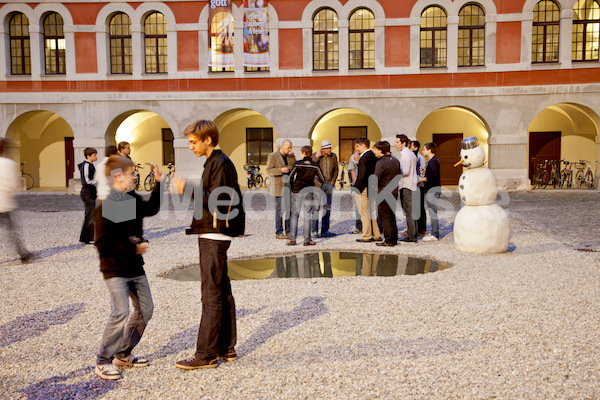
(408, 185)
(102, 182)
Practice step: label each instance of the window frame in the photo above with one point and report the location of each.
(59, 54)
(122, 39)
(361, 33)
(433, 30)
(470, 29)
(24, 42)
(545, 36)
(260, 141)
(584, 23)
(167, 143)
(326, 34)
(161, 67)
(210, 37)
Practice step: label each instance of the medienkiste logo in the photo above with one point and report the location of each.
(218, 3)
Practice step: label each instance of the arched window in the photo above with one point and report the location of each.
(471, 36)
(155, 43)
(54, 44)
(586, 30)
(221, 41)
(325, 40)
(20, 54)
(120, 44)
(362, 39)
(433, 37)
(546, 20)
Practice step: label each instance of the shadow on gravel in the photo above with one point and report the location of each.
(281, 321)
(31, 325)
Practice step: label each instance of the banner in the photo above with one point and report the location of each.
(256, 33)
(220, 20)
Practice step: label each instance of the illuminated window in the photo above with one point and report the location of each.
(20, 54)
(221, 39)
(433, 37)
(325, 40)
(586, 30)
(259, 144)
(54, 44)
(362, 39)
(471, 36)
(155, 43)
(546, 20)
(120, 44)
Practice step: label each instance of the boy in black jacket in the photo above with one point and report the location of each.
(120, 246)
(88, 193)
(302, 179)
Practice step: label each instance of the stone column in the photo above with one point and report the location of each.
(507, 158)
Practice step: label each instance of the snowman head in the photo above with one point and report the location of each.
(472, 154)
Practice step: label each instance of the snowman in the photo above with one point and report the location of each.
(481, 226)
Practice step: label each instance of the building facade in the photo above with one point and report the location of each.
(523, 76)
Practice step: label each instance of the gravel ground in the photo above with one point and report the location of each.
(519, 325)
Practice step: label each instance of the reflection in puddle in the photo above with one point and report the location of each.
(316, 265)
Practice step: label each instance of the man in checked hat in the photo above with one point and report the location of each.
(328, 162)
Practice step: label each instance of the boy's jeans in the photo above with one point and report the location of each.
(298, 199)
(120, 335)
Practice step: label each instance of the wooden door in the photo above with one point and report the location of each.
(448, 153)
(69, 159)
(348, 134)
(542, 146)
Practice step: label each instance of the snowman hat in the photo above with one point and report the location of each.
(469, 143)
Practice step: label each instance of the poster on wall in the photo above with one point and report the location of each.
(256, 33)
(220, 54)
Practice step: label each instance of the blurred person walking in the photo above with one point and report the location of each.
(9, 184)
(433, 189)
(103, 186)
(353, 171)
(421, 163)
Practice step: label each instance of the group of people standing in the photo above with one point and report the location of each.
(308, 183)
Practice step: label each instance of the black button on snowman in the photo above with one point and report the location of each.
(481, 225)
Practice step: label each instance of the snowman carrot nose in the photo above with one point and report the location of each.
(458, 163)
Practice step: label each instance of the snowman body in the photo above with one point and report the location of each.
(480, 226)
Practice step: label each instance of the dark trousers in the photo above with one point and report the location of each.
(406, 196)
(422, 221)
(386, 216)
(14, 233)
(217, 332)
(88, 195)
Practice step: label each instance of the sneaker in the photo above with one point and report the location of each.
(108, 372)
(309, 243)
(130, 361)
(430, 238)
(379, 239)
(197, 363)
(291, 243)
(328, 234)
(316, 235)
(27, 258)
(356, 231)
(407, 240)
(282, 236)
(229, 356)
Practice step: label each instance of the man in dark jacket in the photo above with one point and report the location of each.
(387, 170)
(222, 217)
(120, 246)
(366, 168)
(88, 193)
(328, 162)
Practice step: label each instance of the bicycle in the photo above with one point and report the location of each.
(585, 176)
(136, 172)
(341, 181)
(168, 176)
(541, 175)
(567, 175)
(255, 179)
(28, 179)
(150, 182)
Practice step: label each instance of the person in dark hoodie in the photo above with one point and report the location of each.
(88, 193)
(120, 244)
(220, 219)
(302, 177)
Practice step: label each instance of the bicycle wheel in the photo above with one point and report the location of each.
(251, 183)
(149, 182)
(589, 180)
(267, 182)
(569, 179)
(544, 178)
(259, 181)
(579, 178)
(28, 180)
(167, 183)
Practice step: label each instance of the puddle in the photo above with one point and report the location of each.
(318, 265)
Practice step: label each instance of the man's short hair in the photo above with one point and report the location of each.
(416, 144)
(363, 140)
(431, 147)
(306, 150)
(122, 145)
(117, 163)
(403, 139)
(383, 146)
(88, 151)
(203, 129)
(111, 151)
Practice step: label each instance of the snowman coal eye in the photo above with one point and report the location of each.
(466, 157)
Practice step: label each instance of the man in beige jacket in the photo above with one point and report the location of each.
(279, 164)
